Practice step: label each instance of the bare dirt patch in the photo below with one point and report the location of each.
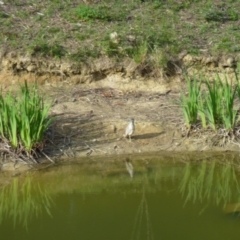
(91, 120)
(91, 115)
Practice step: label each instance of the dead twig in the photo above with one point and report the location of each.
(48, 157)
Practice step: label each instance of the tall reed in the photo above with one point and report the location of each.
(220, 104)
(201, 111)
(228, 113)
(213, 103)
(23, 120)
(215, 107)
(190, 102)
(34, 117)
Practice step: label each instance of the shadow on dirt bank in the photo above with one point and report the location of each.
(70, 130)
(148, 135)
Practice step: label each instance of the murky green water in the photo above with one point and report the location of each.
(146, 198)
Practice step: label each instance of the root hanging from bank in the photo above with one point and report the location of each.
(21, 154)
(219, 138)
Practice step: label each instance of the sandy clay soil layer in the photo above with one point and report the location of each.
(91, 115)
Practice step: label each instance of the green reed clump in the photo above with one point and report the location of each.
(23, 120)
(201, 107)
(220, 104)
(215, 107)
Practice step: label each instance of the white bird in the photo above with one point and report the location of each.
(130, 129)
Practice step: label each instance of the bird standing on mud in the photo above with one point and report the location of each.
(130, 129)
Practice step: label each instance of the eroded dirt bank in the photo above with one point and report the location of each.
(91, 105)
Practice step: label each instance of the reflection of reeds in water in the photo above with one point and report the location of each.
(21, 201)
(139, 221)
(210, 180)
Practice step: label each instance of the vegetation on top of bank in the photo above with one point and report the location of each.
(81, 29)
(24, 121)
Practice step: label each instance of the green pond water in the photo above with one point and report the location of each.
(143, 198)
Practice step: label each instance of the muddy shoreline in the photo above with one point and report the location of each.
(91, 116)
(90, 121)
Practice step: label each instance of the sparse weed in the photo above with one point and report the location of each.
(138, 52)
(159, 58)
(111, 48)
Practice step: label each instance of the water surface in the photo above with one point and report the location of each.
(141, 198)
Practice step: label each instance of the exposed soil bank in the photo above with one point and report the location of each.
(43, 70)
(90, 118)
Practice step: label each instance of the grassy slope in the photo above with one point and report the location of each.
(75, 30)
